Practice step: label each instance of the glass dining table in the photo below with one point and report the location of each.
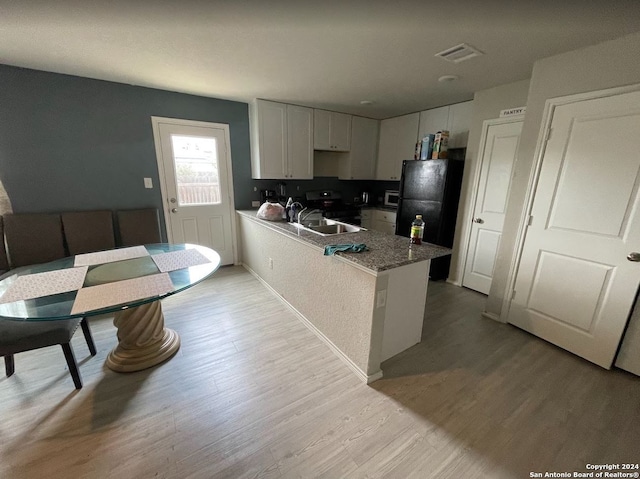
(128, 282)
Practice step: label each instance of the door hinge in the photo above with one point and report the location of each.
(549, 133)
(513, 295)
(530, 220)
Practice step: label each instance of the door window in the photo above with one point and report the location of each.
(196, 163)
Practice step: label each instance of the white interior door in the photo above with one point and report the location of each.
(575, 286)
(194, 164)
(497, 157)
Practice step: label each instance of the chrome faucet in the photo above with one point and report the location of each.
(300, 216)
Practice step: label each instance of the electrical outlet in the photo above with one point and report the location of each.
(381, 300)
(255, 204)
(255, 188)
(270, 263)
(148, 183)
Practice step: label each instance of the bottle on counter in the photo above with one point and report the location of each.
(287, 209)
(417, 230)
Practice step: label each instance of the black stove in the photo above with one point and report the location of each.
(332, 207)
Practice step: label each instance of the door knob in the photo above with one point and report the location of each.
(172, 200)
(633, 256)
(174, 210)
(478, 220)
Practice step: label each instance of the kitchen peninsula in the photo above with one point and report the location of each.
(366, 306)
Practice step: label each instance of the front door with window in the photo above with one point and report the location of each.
(194, 165)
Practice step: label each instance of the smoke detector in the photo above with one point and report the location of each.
(459, 53)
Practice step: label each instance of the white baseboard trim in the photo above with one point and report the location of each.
(367, 378)
(493, 316)
(455, 283)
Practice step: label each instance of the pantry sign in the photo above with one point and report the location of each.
(513, 111)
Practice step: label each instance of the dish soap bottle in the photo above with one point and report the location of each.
(288, 213)
(417, 230)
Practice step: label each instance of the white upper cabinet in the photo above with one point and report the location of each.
(268, 140)
(397, 143)
(300, 139)
(360, 162)
(433, 121)
(454, 118)
(459, 123)
(331, 131)
(281, 141)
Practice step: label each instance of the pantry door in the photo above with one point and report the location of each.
(579, 268)
(498, 154)
(194, 165)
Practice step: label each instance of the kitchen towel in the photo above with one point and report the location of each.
(353, 248)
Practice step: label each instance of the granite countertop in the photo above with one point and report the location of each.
(385, 251)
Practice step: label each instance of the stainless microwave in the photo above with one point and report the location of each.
(391, 198)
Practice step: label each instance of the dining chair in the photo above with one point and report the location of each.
(138, 227)
(4, 260)
(88, 231)
(20, 336)
(33, 238)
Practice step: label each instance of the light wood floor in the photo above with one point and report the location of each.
(253, 393)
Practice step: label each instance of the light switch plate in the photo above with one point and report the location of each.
(148, 183)
(381, 300)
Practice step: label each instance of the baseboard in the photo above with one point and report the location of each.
(453, 282)
(493, 316)
(367, 378)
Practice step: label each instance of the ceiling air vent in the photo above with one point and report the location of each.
(459, 53)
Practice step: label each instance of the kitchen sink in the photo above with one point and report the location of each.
(325, 227)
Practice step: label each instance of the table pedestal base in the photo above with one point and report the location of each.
(143, 339)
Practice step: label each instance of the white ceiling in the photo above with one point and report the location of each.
(326, 53)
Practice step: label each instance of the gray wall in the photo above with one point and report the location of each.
(71, 143)
(487, 105)
(606, 65)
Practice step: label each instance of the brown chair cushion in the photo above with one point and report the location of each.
(4, 261)
(88, 231)
(33, 238)
(139, 227)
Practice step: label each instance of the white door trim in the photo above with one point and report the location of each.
(155, 121)
(547, 117)
(466, 226)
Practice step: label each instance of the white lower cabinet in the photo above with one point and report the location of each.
(365, 219)
(380, 220)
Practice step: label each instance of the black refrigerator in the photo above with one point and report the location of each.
(431, 188)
